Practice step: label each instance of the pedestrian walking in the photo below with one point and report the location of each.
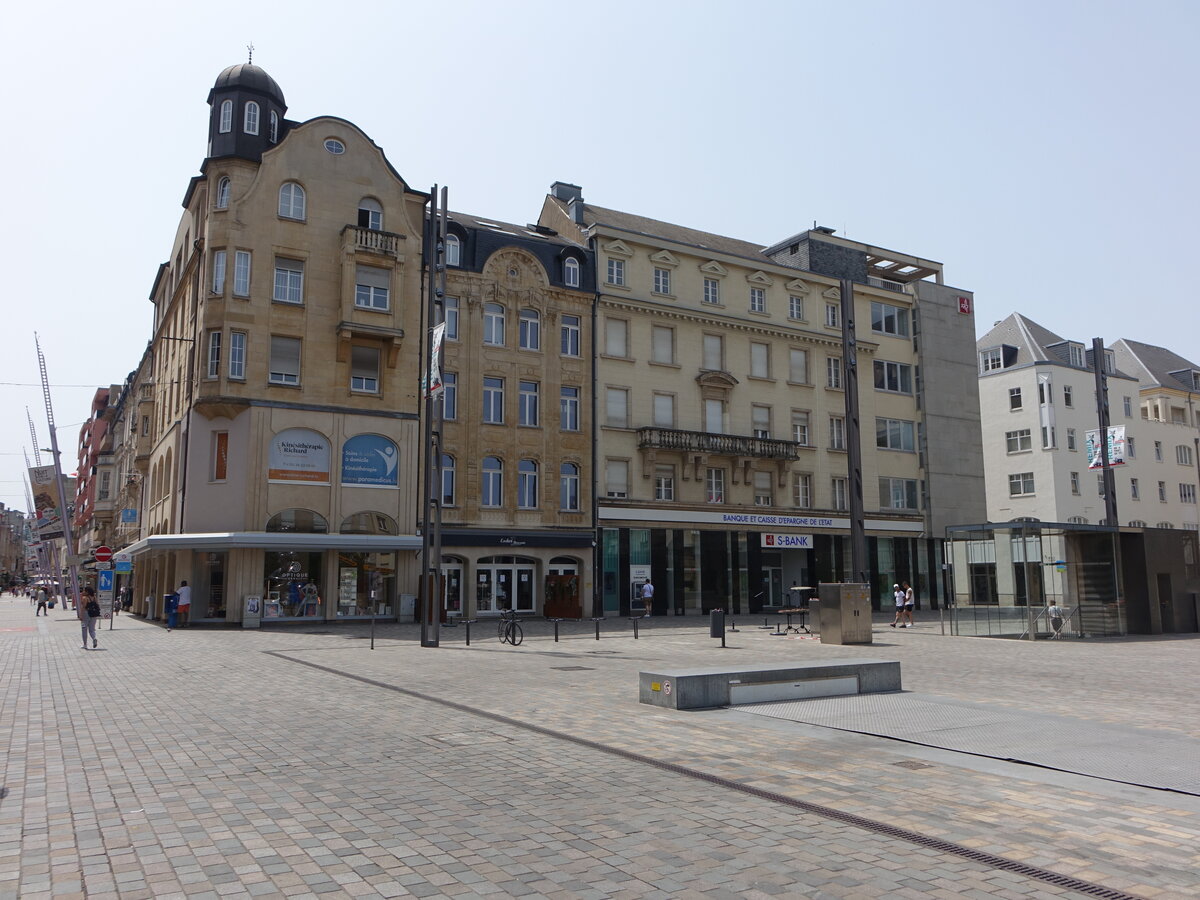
(41, 602)
(184, 603)
(1057, 614)
(647, 598)
(898, 597)
(88, 616)
(910, 602)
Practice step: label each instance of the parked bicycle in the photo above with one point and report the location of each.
(509, 630)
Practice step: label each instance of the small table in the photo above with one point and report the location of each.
(802, 612)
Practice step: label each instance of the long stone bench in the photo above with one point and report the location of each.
(731, 685)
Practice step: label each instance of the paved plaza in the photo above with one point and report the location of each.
(300, 763)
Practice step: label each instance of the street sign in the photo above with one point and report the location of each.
(105, 581)
(122, 556)
(103, 554)
(123, 565)
(103, 566)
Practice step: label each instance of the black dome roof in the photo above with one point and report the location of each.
(249, 77)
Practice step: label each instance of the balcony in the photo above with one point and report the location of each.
(366, 240)
(720, 444)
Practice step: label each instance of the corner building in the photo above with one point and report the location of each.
(281, 443)
(721, 429)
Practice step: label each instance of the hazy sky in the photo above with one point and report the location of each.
(1043, 151)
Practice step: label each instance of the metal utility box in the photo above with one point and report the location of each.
(845, 613)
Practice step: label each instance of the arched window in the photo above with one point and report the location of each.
(531, 330)
(447, 480)
(298, 521)
(453, 250)
(492, 489)
(568, 486)
(370, 214)
(274, 127)
(291, 200)
(527, 484)
(222, 201)
(250, 125)
(369, 523)
(226, 123)
(571, 272)
(493, 324)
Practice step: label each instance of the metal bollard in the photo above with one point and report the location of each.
(634, 620)
(597, 621)
(556, 621)
(467, 623)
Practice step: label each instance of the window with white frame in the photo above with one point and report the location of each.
(714, 485)
(712, 290)
(241, 273)
(1135, 492)
(530, 327)
(568, 487)
(897, 493)
(1014, 398)
(569, 334)
(250, 120)
(285, 361)
(758, 300)
(237, 355)
(616, 338)
(714, 352)
(493, 400)
(664, 410)
(218, 272)
(527, 484)
(1019, 441)
(662, 344)
(664, 482)
(1077, 520)
(894, 434)
(493, 324)
(797, 366)
(616, 272)
(274, 134)
(1158, 451)
(616, 407)
(1100, 484)
(760, 421)
(837, 433)
(453, 250)
(616, 478)
(1049, 441)
(1075, 483)
(889, 319)
(795, 307)
(571, 272)
(291, 201)
(763, 489)
(1162, 492)
(447, 480)
(893, 377)
(714, 416)
(214, 354)
(222, 198)
(1068, 396)
(289, 280)
(372, 287)
(450, 317)
(1020, 483)
(226, 121)
(1183, 455)
(364, 369)
(802, 490)
(833, 371)
(760, 360)
(800, 427)
(1131, 448)
(370, 214)
(568, 408)
(1072, 443)
(662, 281)
(839, 493)
(991, 360)
(527, 403)
(1128, 403)
(833, 315)
(1187, 493)
(491, 491)
(449, 395)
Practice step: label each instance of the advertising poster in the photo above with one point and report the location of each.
(299, 454)
(370, 460)
(46, 501)
(1116, 447)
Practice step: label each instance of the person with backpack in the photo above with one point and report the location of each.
(88, 616)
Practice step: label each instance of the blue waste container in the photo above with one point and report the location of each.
(171, 608)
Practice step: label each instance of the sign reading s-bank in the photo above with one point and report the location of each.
(370, 460)
(794, 541)
(299, 454)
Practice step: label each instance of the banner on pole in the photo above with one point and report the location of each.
(1116, 447)
(435, 361)
(46, 502)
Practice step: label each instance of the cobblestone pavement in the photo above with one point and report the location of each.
(301, 763)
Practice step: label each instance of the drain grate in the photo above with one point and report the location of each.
(572, 668)
(912, 764)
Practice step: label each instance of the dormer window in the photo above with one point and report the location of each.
(370, 214)
(453, 250)
(226, 124)
(274, 127)
(250, 123)
(222, 199)
(1078, 359)
(571, 272)
(990, 360)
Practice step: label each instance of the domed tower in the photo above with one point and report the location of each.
(247, 113)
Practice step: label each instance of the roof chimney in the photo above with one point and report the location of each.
(572, 196)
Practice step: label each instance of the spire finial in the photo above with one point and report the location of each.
(250, 50)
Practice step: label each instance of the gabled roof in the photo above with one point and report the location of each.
(1153, 365)
(1033, 343)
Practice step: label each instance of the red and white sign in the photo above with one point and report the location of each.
(103, 554)
(964, 305)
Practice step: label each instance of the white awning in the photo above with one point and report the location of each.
(276, 540)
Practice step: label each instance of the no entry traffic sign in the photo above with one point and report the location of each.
(103, 554)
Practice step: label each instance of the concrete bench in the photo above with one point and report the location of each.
(731, 685)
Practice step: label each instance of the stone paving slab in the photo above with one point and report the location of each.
(223, 762)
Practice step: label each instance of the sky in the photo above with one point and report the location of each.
(1044, 152)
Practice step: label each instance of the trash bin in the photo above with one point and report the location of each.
(716, 623)
(171, 608)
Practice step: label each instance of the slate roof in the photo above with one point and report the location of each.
(527, 232)
(1034, 343)
(1153, 365)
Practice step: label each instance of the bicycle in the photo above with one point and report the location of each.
(509, 630)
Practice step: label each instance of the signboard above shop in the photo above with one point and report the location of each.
(299, 454)
(370, 460)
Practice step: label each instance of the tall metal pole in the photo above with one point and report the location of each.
(68, 536)
(431, 499)
(1110, 492)
(858, 532)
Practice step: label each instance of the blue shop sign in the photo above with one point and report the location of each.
(370, 460)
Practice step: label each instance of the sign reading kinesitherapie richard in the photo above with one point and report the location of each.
(370, 460)
(299, 454)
